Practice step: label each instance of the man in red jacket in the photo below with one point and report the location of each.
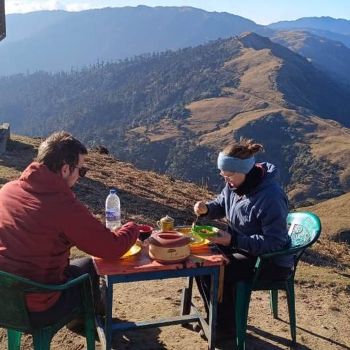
(40, 220)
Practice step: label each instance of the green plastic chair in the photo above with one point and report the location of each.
(14, 313)
(304, 230)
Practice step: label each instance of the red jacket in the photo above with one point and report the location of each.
(40, 220)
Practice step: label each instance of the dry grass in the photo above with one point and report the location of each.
(335, 215)
(330, 141)
(166, 129)
(258, 71)
(222, 136)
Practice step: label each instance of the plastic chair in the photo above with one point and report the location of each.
(304, 230)
(15, 317)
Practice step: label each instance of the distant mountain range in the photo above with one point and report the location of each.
(60, 40)
(332, 57)
(163, 110)
(328, 27)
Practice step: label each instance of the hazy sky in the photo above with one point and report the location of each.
(260, 11)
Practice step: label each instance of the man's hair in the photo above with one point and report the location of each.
(58, 149)
(243, 149)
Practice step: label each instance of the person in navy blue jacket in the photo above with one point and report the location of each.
(255, 208)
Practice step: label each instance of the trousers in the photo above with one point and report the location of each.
(241, 267)
(69, 298)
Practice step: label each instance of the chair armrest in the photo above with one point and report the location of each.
(261, 258)
(288, 251)
(71, 283)
(39, 287)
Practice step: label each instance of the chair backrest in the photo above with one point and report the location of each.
(13, 308)
(304, 230)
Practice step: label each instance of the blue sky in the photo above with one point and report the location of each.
(260, 11)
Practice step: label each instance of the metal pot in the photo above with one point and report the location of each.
(166, 223)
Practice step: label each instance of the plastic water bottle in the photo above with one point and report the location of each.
(112, 210)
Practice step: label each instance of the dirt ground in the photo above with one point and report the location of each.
(323, 317)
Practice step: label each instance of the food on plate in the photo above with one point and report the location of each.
(136, 248)
(205, 231)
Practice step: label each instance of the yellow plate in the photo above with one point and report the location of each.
(186, 230)
(136, 248)
(197, 241)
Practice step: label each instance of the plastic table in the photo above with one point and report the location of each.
(141, 268)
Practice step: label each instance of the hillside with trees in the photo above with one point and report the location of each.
(162, 110)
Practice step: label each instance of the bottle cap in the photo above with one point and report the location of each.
(113, 191)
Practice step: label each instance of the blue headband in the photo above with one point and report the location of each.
(235, 165)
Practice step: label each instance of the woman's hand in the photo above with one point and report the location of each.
(200, 208)
(222, 238)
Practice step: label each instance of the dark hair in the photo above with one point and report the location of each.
(243, 149)
(58, 149)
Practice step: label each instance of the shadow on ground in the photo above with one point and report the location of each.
(143, 339)
(255, 342)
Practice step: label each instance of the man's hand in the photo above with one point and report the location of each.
(200, 208)
(222, 238)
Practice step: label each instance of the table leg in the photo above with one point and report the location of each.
(187, 297)
(108, 319)
(213, 309)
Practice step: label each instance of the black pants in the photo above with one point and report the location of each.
(69, 298)
(241, 267)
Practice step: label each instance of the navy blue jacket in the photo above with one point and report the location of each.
(258, 219)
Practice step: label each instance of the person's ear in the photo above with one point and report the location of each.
(65, 171)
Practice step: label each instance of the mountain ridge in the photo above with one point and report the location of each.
(331, 28)
(160, 109)
(110, 34)
(114, 33)
(332, 57)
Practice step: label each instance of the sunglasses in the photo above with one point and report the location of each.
(227, 176)
(82, 171)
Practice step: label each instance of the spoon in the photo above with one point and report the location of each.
(194, 222)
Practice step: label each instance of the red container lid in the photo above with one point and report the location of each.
(169, 239)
